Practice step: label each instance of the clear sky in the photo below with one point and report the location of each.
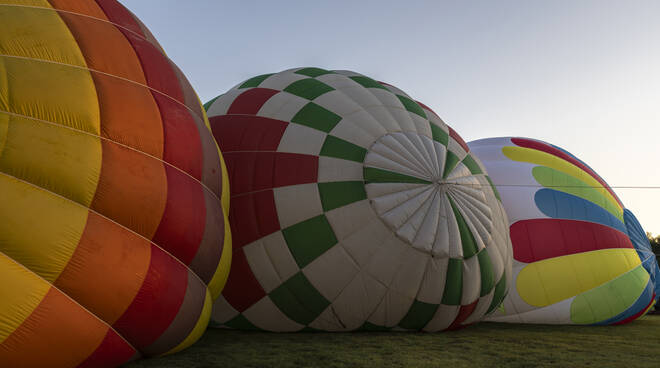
(580, 74)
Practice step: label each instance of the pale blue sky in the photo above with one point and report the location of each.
(581, 74)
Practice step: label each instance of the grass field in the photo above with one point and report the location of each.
(636, 344)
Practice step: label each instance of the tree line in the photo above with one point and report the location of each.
(655, 243)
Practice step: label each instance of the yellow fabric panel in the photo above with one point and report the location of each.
(4, 126)
(38, 229)
(52, 92)
(199, 328)
(552, 280)
(58, 159)
(21, 291)
(38, 34)
(219, 279)
(39, 3)
(533, 156)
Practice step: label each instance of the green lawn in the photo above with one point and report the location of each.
(636, 344)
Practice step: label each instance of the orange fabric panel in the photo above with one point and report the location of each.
(58, 332)
(129, 115)
(89, 8)
(104, 47)
(107, 269)
(132, 189)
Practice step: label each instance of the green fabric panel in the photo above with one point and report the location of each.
(472, 165)
(467, 238)
(450, 163)
(367, 82)
(418, 315)
(367, 326)
(412, 106)
(439, 135)
(241, 323)
(486, 270)
(609, 299)
(339, 148)
(497, 192)
(454, 283)
(309, 239)
(255, 81)
(308, 88)
(340, 193)
(299, 299)
(313, 72)
(500, 293)
(374, 175)
(317, 117)
(208, 104)
(557, 180)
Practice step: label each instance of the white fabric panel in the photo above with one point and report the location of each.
(471, 280)
(347, 220)
(409, 276)
(288, 199)
(422, 125)
(382, 114)
(223, 311)
(434, 280)
(386, 261)
(426, 233)
(444, 316)
(454, 234)
(331, 272)
(391, 309)
(337, 102)
(385, 158)
(280, 81)
(262, 266)
(366, 242)
(357, 301)
(558, 313)
(265, 315)
(282, 106)
(456, 148)
(413, 225)
(301, 139)
(337, 169)
(400, 215)
(353, 133)
(328, 320)
(280, 256)
(481, 308)
(403, 117)
(440, 155)
(366, 122)
(222, 103)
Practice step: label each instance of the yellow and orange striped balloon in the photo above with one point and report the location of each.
(113, 197)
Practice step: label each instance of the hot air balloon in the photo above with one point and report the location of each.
(353, 207)
(574, 261)
(112, 227)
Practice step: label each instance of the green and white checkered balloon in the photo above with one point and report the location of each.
(353, 207)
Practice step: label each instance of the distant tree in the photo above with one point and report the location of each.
(655, 243)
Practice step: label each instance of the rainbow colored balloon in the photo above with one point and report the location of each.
(574, 261)
(112, 221)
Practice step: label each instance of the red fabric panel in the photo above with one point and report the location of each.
(253, 171)
(157, 302)
(181, 229)
(293, 168)
(157, 68)
(250, 101)
(119, 15)
(242, 289)
(463, 314)
(247, 133)
(457, 138)
(538, 239)
(252, 216)
(182, 144)
(540, 146)
(113, 351)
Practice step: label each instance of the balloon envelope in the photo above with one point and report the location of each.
(353, 207)
(111, 219)
(574, 260)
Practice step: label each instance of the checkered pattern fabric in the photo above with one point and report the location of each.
(353, 207)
